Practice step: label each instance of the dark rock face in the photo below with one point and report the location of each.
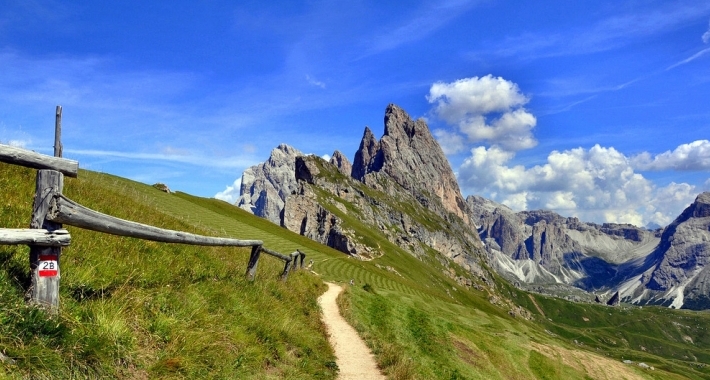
(409, 155)
(266, 186)
(365, 157)
(615, 300)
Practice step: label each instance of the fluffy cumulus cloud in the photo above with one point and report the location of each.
(486, 115)
(231, 193)
(597, 184)
(483, 110)
(694, 156)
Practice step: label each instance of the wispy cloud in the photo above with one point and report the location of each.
(689, 59)
(314, 82)
(424, 21)
(233, 162)
(610, 33)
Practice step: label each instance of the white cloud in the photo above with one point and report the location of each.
(451, 143)
(314, 82)
(598, 184)
(693, 156)
(18, 143)
(471, 105)
(706, 35)
(689, 59)
(231, 193)
(456, 100)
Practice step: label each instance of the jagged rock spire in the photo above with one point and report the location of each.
(409, 154)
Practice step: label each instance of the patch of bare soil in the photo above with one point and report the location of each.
(353, 357)
(536, 305)
(596, 366)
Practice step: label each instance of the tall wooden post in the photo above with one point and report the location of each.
(44, 261)
(58, 148)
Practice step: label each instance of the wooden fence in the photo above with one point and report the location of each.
(51, 210)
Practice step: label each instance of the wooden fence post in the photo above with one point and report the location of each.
(302, 257)
(44, 261)
(287, 268)
(58, 148)
(253, 260)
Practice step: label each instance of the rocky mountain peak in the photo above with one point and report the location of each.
(399, 124)
(365, 161)
(265, 186)
(701, 206)
(685, 249)
(408, 154)
(341, 162)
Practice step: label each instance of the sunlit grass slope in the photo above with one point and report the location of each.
(136, 309)
(473, 334)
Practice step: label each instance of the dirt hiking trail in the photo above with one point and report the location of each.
(352, 355)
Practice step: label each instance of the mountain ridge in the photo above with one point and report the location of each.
(539, 248)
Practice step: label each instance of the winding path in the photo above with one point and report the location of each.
(352, 355)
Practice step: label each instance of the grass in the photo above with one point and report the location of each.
(138, 309)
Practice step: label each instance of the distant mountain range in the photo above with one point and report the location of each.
(402, 185)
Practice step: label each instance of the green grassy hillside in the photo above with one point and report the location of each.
(138, 309)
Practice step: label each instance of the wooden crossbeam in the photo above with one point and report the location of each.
(64, 210)
(40, 237)
(30, 159)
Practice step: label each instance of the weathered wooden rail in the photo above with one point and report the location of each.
(51, 210)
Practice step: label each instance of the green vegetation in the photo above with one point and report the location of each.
(139, 309)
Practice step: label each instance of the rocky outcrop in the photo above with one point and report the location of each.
(544, 247)
(304, 215)
(410, 156)
(341, 162)
(365, 157)
(683, 271)
(615, 300)
(641, 266)
(398, 219)
(265, 186)
(162, 187)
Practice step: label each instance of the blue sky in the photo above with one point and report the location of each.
(596, 109)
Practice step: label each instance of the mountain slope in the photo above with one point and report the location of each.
(136, 309)
(646, 267)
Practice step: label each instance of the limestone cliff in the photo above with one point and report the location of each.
(341, 162)
(681, 277)
(643, 267)
(410, 156)
(265, 186)
(330, 207)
